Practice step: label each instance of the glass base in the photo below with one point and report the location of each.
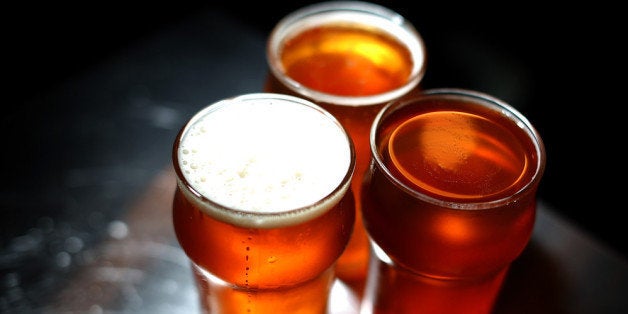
(322, 295)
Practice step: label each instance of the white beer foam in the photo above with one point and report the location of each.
(263, 155)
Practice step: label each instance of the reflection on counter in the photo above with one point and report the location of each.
(140, 268)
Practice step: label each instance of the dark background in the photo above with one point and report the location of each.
(557, 65)
(560, 66)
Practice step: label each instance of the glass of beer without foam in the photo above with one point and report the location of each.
(449, 201)
(350, 58)
(262, 207)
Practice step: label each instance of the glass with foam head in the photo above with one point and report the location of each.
(449, 201)
(261, 206)
(351, 58)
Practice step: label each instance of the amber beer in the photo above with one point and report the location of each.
(350, 58)
(449, 201)
(262, 207)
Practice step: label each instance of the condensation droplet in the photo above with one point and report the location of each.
(118, 229)
(95, 309)
(73, 244)
(63, 259)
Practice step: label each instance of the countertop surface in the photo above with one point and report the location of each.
(86, 225)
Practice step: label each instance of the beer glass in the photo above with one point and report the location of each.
(262, 207)
(449, 201)
(350, 58)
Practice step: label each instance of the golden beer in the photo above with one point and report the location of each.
(350, 58)
(262, 207)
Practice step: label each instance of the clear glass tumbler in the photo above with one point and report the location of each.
(449, 201)
(351, 58)
(263, 206)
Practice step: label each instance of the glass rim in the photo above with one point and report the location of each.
(475, 97)
(263, 220)
(399, 27)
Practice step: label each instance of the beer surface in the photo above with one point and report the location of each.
(347, 60)
(457, 154)
(263, 155)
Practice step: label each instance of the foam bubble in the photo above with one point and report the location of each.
(263, 154)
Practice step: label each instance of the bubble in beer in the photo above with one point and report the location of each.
(264, 154)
